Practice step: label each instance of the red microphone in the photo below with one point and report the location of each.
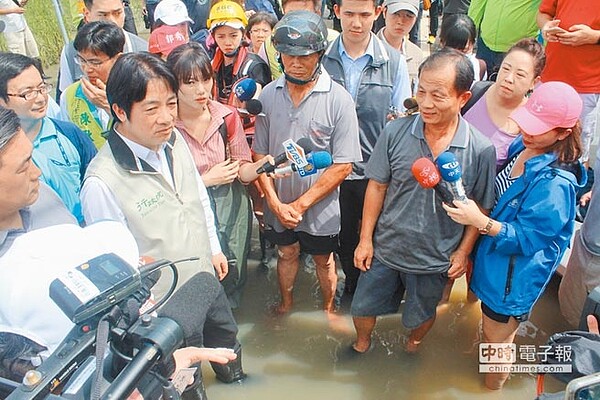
(428, 176)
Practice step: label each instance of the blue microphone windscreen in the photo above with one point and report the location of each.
(320, 159)
(449, 167)
(245, 89)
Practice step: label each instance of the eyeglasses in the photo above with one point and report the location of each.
(31, 94)
(90, 63)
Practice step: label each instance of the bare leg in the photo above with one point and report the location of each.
(416, 335)
(497, 332)
(364, 328)
(287, 269)
(327, 276)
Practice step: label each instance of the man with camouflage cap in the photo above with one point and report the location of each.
(303, 213)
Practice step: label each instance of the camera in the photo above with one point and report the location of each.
(113, 349)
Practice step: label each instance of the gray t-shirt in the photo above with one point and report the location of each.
(328, 118)
(414, 234)
(48, 210)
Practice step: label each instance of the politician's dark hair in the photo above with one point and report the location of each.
(128, 80)
(11, 66)
(9, 126)
(88, 3)
(462, 67)
(100, 37)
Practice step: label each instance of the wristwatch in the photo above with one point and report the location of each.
(488, 227)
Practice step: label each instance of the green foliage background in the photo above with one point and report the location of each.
(42, 20)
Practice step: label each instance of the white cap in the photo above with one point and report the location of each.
(393, 6)
(172, 12)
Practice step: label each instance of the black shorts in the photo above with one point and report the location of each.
(503, 319)
(309, 244)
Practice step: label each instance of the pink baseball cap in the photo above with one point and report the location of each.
(166, 38)
(552, 105)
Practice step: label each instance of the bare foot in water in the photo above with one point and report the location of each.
(339, 323)
(279, 310)
(412, 346)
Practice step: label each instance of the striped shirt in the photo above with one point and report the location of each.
(210, 150)
(504, 180)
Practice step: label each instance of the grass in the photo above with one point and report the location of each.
(42, 20)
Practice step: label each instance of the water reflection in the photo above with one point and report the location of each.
(304, 356)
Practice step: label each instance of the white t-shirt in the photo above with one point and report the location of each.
(38, 257)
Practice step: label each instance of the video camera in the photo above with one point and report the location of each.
(113, 348)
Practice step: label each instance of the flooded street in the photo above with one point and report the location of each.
(304, 356)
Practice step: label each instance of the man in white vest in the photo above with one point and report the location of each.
(144, 176)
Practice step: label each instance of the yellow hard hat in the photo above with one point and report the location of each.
(227, 13)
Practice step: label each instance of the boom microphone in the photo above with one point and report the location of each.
(426, 173)
(451, 173)
(268, 168)
(317, 160)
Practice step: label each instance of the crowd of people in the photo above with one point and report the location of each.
(157, 137)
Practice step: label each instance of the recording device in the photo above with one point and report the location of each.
(105, 295)
(452, 174)
(254, 107)
(426, 173)
(315, 161)
(94, 286)
(411, 106)
(245, 89)
(304, 143)
(591, 306)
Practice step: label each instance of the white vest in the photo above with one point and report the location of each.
(166, 223)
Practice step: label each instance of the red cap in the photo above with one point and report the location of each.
(552, 105)
(164, 39)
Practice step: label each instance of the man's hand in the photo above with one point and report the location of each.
(459, 261)
(96, 93)
(592, 324)
(584, 199)
(363, 255)
(219, 261)
(287, 215)
(188, 356)
(221, 173)
(578, 35)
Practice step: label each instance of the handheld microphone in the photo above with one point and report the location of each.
(452, 173)
(245, 89)
(268, 168)
(317, 160)
(411, 105)
(254, 107)
(426, 173)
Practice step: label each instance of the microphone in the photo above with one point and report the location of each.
(253, 106)
(451, 173)
(245, 89)
(317, 160)
(268, 168)
(426, 173)
(411, 105)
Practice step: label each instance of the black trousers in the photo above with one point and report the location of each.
(201, 307)
(352, 198)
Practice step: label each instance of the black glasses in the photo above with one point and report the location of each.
(33, 93)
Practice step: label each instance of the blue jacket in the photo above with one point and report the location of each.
(537, 213)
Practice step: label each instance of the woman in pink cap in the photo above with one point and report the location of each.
(530, 227)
